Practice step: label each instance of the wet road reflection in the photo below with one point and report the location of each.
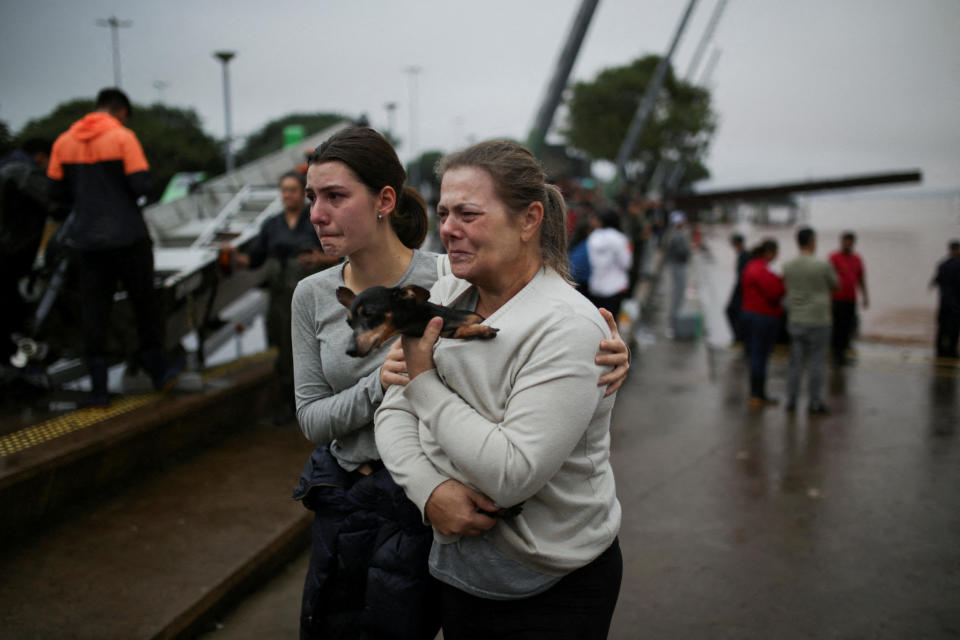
(760, 523)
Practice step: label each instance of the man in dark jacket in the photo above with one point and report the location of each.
(736, 295)
(99, 167)
(25, 204)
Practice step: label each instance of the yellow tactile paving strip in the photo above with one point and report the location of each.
(82, 418)
(69, 422)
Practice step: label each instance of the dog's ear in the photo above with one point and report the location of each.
(345, 296)
(414, 292)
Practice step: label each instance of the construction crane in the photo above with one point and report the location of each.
(568, 55)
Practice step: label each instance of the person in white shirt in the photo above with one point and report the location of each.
(676, 253)
(610, 261)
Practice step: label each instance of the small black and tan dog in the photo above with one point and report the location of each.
(379, 313)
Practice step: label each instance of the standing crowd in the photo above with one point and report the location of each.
(812, 302)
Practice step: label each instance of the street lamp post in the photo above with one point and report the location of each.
(413, 71)
(225, 57)
(160, 85)
(115, 25)
(391, 107)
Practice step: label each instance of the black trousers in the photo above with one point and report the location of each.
(99, 273)
(579, 607)
(733, 316)
(844, 324)
(948, 332)
(13, 317)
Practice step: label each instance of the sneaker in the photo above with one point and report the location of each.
(818, 409)
(759, 402)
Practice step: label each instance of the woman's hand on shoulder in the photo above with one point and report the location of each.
(394, 369)
(613, 353)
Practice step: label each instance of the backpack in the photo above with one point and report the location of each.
(677, 248)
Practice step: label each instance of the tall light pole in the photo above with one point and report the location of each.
(413, 71)
(225, 57)
(391, 107)
(160, 85)
(115, 25)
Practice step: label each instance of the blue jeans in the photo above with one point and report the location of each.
(761, 334)
(808, 347)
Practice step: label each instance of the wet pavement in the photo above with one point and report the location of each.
(745, 523)
(142, 521)
(738, 522)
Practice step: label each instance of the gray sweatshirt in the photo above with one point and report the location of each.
(337, 394)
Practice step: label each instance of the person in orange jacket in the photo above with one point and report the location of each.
(99, 168)
(763, 292)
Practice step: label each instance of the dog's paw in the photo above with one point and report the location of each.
(475, 331)
(486, 332)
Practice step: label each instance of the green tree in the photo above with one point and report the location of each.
(426, 164)
(6, 140)
(172, 138)
(270, 137)
(680, 127)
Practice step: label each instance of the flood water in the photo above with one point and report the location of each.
(901, 237)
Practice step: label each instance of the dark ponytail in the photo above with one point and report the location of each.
(409, 219)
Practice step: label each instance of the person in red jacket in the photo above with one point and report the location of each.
(98, 167)
(762, 294)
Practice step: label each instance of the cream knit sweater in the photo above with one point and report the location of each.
(521, 419)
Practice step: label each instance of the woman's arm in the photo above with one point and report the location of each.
(450, 506)
(397, 432)
(771, 285)
(613, 353)
(256, 253)
(550, 406)
(323, 414)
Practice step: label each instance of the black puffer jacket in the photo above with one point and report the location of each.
(368, 575)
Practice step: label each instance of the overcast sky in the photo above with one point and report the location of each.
(817, 88)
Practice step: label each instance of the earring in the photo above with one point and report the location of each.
(379, 216)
